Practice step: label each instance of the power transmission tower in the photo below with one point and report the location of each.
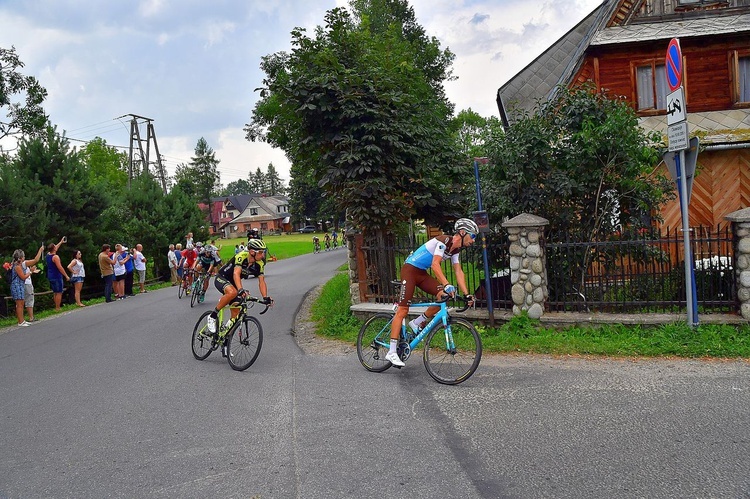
(137, 155)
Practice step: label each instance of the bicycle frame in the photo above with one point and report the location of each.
(441, 316)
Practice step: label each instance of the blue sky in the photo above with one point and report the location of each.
(192, 65)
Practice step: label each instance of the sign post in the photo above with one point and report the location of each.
(677, 133)
(481, 216)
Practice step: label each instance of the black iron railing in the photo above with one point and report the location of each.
(641, 272)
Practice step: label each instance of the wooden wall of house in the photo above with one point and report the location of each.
(721, 186)
(706, 77)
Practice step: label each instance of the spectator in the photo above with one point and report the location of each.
(140, 266)
(28, 299)
(19, 274)
(77, 273)
(178, 256)
(56, 272)
(189, 241)
(129, 273)
(121, 256)
(172, 259)
(106, 267)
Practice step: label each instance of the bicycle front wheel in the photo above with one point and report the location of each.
(203, 343)
(195, 293)
(181, 288)
(373, 342)
(454, 363)
(243, 344)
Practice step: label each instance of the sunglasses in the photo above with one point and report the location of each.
(472, 236)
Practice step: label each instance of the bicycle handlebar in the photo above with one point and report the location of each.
(255, 299)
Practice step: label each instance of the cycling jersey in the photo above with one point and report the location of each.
(242, 259)
(206, 259)
(422, 257)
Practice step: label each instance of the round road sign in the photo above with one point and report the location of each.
(674, 65)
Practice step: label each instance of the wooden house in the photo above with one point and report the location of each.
(621, 47)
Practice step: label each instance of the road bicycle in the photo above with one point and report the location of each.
(240, 338)
(452, 346)
(184, 287)
(316, 245)
(198, 293)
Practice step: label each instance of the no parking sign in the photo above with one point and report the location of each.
(674, 65)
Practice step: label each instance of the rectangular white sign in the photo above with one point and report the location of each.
(678, 136)
(676, 108)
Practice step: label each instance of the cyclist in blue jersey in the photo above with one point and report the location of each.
(414, 275)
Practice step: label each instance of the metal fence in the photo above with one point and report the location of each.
(641, 272)
(382, 261)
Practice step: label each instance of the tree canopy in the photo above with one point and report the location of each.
(581, 161)
(361, 105)
(24, 117)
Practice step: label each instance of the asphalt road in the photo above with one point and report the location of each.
(108, 401)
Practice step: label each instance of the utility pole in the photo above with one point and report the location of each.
(141, 156)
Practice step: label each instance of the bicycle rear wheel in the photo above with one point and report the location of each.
(181, 288)
(243, 344)
(373, 342)
(203, 343)
(454, 364)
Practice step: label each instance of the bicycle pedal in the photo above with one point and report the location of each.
(397, 367)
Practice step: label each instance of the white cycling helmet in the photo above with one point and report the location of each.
(466, 224)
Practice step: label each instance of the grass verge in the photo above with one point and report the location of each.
(525, 335)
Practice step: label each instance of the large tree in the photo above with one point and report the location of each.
(362, 105)
(24, 117)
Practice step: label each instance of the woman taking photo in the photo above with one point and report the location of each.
(77, 273)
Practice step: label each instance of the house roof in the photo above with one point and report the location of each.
(666, 30)
(555, 66)
(714, 127)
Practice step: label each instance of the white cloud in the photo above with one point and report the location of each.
(192, 65)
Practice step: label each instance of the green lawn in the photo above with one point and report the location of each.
(281, 246)
(523, 335)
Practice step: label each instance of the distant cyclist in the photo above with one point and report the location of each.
(414, 275)
(250, 261)
(316, 244)
(204, 263)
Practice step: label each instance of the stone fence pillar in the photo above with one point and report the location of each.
(741, 229)
(528, 265)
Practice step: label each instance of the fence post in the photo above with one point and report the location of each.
(528, 265)
(741, 229)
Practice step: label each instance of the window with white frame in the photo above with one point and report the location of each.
(651, 86)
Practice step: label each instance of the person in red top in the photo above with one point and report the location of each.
(187, 262)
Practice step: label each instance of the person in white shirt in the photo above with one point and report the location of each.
(77, 273)
(140, 266)
(172, 259)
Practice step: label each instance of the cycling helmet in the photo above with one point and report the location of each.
(256, 244)
(466, 224)
(199, 244)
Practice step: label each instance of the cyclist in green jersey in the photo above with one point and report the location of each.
(250, 261)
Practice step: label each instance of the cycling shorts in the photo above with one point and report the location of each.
(221, 283)
(412, 278)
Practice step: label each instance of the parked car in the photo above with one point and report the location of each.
(307, 229)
